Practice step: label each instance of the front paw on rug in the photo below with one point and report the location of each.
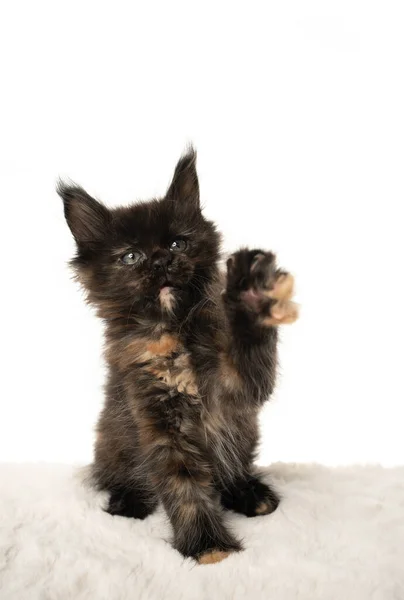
(212, 556)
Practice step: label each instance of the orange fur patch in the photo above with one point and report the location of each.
(262, 509)
(214, 556)
(166, 345)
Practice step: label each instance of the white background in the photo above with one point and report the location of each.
(296, 110)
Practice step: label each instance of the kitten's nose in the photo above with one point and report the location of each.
(161, 260)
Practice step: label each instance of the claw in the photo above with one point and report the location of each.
(258, 258)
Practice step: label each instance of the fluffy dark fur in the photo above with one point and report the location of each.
(191, 355)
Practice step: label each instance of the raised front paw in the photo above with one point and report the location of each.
(255, 282)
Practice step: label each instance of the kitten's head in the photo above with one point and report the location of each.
(148, 258)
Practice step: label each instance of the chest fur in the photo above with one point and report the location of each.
(170, 363)
(162, 359)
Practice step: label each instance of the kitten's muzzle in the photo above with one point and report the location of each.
(161, 261)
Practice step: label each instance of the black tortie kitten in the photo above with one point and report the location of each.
(191, 354)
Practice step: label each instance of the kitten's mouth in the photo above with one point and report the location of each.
(166, 291)
(168, 286)
(167, 296)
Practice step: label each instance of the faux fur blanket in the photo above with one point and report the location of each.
(338, 534)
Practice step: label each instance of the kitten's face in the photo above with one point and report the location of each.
(150, 257)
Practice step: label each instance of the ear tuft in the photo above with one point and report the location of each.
(185, 186)
(87, 218)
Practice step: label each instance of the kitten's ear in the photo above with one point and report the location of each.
(184, 187)
(87, 218)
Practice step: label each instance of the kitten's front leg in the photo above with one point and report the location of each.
(178, 467)
(257, 299)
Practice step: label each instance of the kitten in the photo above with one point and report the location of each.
(191, 354)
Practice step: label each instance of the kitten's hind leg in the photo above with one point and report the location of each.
(250, 496)
(127, 502)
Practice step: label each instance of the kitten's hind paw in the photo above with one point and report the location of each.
(250, 497)
(128, 503)
(254, 281)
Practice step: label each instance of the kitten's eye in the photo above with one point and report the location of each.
(131, 258)
(178, 246)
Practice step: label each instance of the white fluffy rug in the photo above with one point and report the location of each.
(338, 534)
